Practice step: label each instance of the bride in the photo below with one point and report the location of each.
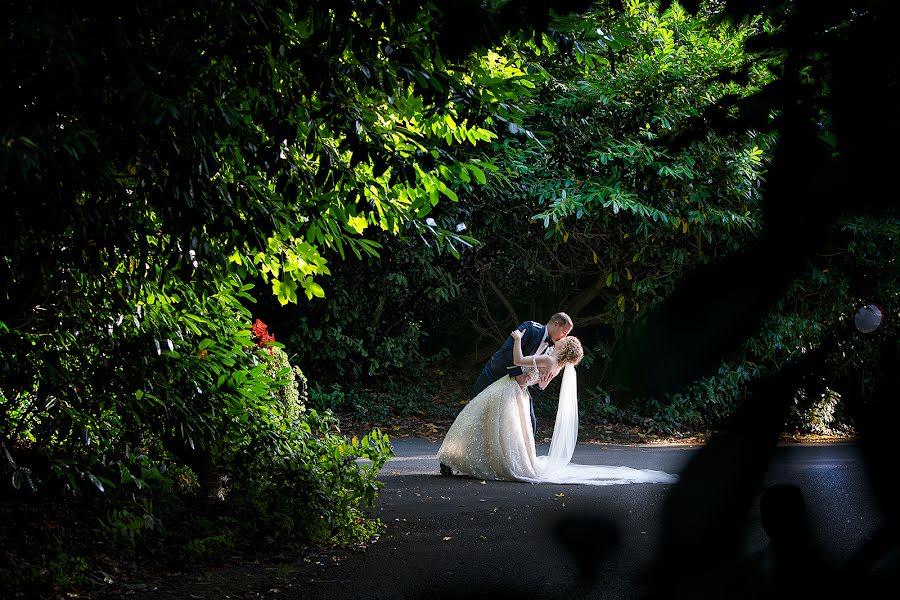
(492, 437)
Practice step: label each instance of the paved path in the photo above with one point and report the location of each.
(455, 537)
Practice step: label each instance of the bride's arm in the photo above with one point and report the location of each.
(542, 361)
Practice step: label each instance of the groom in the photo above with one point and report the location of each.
(538, 339)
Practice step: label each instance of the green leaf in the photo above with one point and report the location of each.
(96, 481)
(313, 289)
(285, 290)
(478, 173)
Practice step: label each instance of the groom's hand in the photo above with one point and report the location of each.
(545, 379)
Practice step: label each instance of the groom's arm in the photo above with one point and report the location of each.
(533, 335)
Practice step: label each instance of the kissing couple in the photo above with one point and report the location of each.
(493, 437)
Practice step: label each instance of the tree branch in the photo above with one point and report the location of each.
(479, 355)
(583, 299)
(598, 319)
(501, 297)
(379, 310)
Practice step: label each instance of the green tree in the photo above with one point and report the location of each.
(159, 161)
(608, 220)
(597, 208)
(584, 209)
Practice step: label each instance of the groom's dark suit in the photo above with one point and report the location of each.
(501, 363)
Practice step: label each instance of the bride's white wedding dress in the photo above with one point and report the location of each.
(492, 438)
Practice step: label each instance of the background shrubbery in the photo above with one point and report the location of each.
(588, 212)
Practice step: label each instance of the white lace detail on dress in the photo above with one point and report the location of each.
(532, 375)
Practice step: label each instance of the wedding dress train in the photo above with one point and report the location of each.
(492, 438)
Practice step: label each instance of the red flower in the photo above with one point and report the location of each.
(261, 332)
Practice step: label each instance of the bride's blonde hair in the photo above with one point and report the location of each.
(568, 350)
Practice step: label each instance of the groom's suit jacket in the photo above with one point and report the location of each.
(501, 363)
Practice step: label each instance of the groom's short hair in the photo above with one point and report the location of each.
(562, 318)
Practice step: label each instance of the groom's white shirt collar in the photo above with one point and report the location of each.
(542, 347)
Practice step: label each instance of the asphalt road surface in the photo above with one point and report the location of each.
(456, 537)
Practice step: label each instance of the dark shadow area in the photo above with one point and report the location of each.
(715, 309)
